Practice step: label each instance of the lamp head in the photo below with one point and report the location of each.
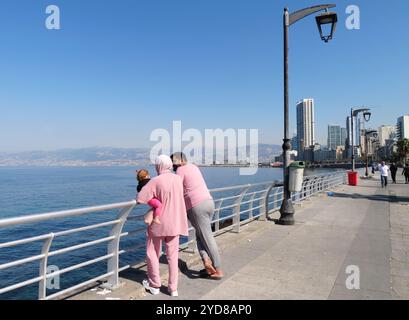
(327, 18)
(367, 116)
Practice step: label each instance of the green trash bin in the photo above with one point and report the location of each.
(296, 176)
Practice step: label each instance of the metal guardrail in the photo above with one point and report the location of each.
(234, 206)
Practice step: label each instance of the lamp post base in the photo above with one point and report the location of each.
(287, 213)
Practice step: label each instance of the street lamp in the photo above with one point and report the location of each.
(327, 18)
(354, 113)
(367, 116)
(369, 134)
(287, 209)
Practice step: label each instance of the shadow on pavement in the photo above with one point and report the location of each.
(376, 197)
(191, 274)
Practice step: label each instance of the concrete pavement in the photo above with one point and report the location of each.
(364, 226)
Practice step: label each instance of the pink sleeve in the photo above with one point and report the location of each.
(147, 193)
(157, 205)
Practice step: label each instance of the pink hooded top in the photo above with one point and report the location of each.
(168, 189)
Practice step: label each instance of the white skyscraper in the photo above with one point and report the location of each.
(386, 133)
(403, 128)
(305, 124)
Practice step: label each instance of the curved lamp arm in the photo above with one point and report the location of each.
(355, 112)
(372, 133)
(300, 14)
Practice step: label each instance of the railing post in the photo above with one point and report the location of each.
(113, 248)
(280, 196)
(251, 205)
(217, 215)
(42, 287)
(304, 188)
(315, 185)
(277, 199)
(265, 209)
(310, 186)
(236, 210)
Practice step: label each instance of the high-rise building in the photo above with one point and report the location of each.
(344, 137)
(336, 136)
(305, 124)
(294, 142)
(386, 133)
(402, 129)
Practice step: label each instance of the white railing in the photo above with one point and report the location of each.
(234, 206)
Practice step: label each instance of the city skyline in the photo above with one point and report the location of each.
(103, 79)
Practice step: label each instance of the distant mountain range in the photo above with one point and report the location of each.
(101, 156)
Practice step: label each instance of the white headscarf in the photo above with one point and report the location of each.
(163, 164)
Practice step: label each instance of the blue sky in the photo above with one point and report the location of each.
(119, 69)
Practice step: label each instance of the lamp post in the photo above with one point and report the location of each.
(354, 113)
(287, 209)
(369, 134)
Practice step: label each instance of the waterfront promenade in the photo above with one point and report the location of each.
(363, 226)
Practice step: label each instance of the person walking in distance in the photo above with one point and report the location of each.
(200, 211)
(406, 173)
(394, 170)
(373, 168)
(384, 170)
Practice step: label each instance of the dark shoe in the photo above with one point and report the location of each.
(203, 274)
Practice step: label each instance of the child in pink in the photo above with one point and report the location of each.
(168, 189)
(143, 178)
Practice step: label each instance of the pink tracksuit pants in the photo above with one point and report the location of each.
(153, 251)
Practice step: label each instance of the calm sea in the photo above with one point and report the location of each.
(25, 191)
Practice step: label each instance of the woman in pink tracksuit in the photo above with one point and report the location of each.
(168, 189)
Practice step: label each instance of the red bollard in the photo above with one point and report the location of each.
(353, 178)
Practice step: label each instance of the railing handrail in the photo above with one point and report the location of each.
(111, 206)
(246, 198)
(63, 214)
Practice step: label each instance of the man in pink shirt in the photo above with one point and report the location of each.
(200, 211)
(168, 189)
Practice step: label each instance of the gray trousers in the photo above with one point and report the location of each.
(201, 217)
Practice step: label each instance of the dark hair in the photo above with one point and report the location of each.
(178, 157)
